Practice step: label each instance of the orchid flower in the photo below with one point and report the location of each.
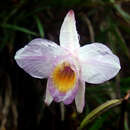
(68, 66)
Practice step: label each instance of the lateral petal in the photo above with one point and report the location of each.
(98, 63)
(68, 33)
(38, 57)
(48, 97)
(80, 97)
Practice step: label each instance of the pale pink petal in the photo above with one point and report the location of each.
(68, 33)
(80, 97)
(38, 57)
(67, 97)
(48, 97)
(98, 63)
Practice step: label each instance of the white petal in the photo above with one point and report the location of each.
(68, 33)
(80, 97)
(38, 57)
(48, 98)
(98, 63)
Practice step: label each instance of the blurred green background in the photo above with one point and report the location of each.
(21, 96)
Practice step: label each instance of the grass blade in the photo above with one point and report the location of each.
(17, 28)
(99, 110)
(40, 27)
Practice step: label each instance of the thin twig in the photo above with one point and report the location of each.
(90, 27)
(62, 107)
(15, 114)
(118, 95)
(6, 103)
(123, 117)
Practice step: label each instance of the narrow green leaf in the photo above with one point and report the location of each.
(121, 40)
(99, 110)
(40, 27)
(115, 32)
(125, 15)
(99, 122)
(17, 28)
(126, 122)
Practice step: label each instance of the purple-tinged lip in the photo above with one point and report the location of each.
(58, 96)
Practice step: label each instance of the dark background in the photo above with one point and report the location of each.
(22, 96)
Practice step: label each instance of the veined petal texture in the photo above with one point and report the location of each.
(38, 57)
(98, 63)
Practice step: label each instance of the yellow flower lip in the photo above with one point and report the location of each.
(64, 77)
